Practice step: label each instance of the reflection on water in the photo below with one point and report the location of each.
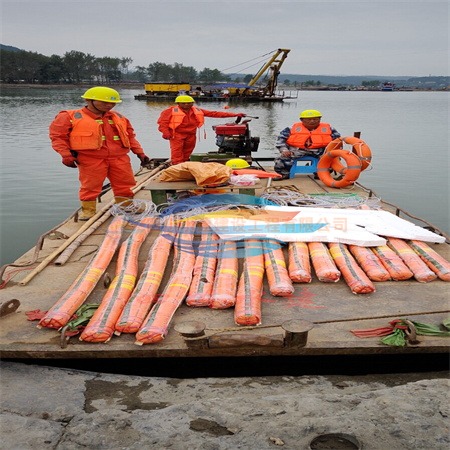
(407, 132)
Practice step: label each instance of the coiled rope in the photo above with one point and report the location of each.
(292, 197)
(134, 210)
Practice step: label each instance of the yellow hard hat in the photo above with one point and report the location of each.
(184, 99)
(310, 113)
(237, 163)
(102, 94)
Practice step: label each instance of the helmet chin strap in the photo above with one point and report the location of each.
(92, 108)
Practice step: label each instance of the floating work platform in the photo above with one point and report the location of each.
(316, 319)
(171, 98)
(208, 98)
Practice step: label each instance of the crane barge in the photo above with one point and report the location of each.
(261, 87)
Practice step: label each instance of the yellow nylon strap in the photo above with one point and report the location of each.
(406, 250)
(179, 285)
(278, 262)
(233, 272)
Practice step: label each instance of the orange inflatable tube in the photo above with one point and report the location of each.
(157, 322)
(101, 326)
(247, 310)
(352, 170)
(354, 276)
(145, 293)
(258, 173)
(421, 271)
(226, 278)
(439, 265)
(61, 312)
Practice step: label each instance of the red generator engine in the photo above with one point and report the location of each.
(234, 138)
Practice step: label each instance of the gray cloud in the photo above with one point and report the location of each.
(325, 37)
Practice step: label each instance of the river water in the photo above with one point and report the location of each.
(408, 133)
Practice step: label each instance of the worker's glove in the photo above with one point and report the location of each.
(241, 115)
(166, 136)
(70, 161)
(144, 159)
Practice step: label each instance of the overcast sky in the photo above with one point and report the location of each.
(366, 37)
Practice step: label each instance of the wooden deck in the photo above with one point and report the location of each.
(330, 308)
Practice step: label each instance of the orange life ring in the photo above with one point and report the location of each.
(336, 144)
(352, 170)
(359, 148)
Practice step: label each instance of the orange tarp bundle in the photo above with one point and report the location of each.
(75, 296)
(204, 174)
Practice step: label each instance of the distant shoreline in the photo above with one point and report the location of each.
(67, 86)
(139, 85)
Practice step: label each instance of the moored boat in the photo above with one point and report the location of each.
(317, 318)
(387, 87)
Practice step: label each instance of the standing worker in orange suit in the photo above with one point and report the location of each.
(179, 124)
(97, 140)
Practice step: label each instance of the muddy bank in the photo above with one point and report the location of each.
(47, 407)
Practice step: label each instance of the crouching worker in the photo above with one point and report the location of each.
(97, 141)
(309, 137)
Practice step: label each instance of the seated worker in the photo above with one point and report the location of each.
(309, 137)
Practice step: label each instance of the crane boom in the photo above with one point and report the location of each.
(274, 64)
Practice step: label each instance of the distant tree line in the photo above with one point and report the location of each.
(75, 67)
(369, 81)
(20, 66)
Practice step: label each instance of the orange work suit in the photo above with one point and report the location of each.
(182, 128)
(108, 139)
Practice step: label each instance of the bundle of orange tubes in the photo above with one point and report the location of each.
(101, 326)
(205, 272)
(146, 290)
(74, 297)
(157, 323)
